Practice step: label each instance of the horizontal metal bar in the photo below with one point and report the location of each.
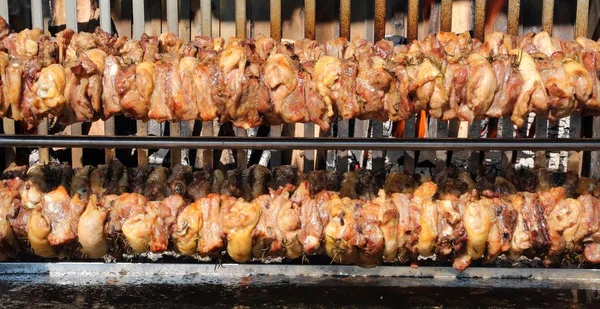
(282, 143)
(272, 274)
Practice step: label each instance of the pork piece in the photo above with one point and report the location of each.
(398, 106)
(9, 208)
(370, 240)
(349, 185)
(502, 224)
(137, 180)
(522, 179)
(373, 81)
(451, 228)
(481, 87)
(120, 208)
(529, 232)
(211, 239)
(83, 88)
(240, 218)
(62, 214)
(157, 187)
(283, 175)
(533, 96)
(90, 229)
(254, 181)
(114, 71)
(199, 186)
(369, 183)
(167, 101)
(180, 175)
(80, 183)
(187, 228)
(339, 233)
(397, 182)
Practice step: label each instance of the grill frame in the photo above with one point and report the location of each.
(93, 272)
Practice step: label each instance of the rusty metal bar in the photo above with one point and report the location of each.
(240, 18)
(548, 16)
(380, 6)
(479, 24)
(138, 7)
(310, 17)
(207, 126)
(581, 19)
(109, 124)
(514, 12)
(345, 18)
(413, 20)
(37, 21)
(71, 20)
(446, 16)
(275, 12)
(173, 26)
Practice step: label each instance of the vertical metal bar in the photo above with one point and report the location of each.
(548, 16)
(71, 20)
(275, 11)
(139, 18)
(173, 26)
(514, 12)
(109, 124)
(207, 126)
(380, 6)
(309, 33)
(310, 17)
(581, 19)
(343, 125)
(413, 20)
(37, 21)
(240, 30)
(8, 125)
(446, 16)
(581, 25)
(240, 18)
(479, 24)
(275, 23)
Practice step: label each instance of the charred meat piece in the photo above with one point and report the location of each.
(254, 181)
(179, 177)
(157, 187)
(200, 185)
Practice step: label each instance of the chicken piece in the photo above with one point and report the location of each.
(476, 219)
(429, 228)
(169, 43)
(287, 88)
(9, 207)
(283, 175)
(90, 229)
(179, 178)
(120, 209)
(288, 222)
(318, 110)
(132, 52)
(240, 219)
(417, 241)
(372, 82)
(533, 97)
(425, 80)
(581, 80)
(398, 106)
(267, 237)
(311, 228)
(562, 223)
(370, 240)
(502, 223)
(339, 233)
(157, 187)
(389, 219)
(211, 239)
(62, 214)
(561, 101)
(167, 101)
(187, 228)
(327, 72)
(254, 181)
(481, 87)
(38, 230)
(139, 229)
(406, 224)
(12, 86)
(23, 43)
(450, 228)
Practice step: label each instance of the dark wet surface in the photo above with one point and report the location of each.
(33, 295)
